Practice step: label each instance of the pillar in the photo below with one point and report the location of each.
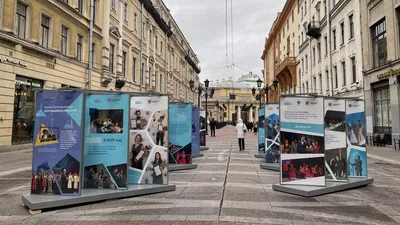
(256, 114)
(395, 107)
(251, 119)
(239, 112)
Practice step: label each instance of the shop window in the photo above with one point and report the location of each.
(383, 116)
(24, 105)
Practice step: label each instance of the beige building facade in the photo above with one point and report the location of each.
(45, 44)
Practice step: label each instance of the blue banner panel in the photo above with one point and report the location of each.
(203, 124)
(272, 143)
(261, 131)
(57, 145)
(180, 133)
(106, 141)
(196, 130)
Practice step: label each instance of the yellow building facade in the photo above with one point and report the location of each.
(45, 45)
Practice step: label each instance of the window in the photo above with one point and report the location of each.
(44, 30)
(161, 47)
(156, 41)
(113, 4)
(336, 78)
(143, 31)
(315, 84)
(383, 115)
(126, 11)
(319, 51)
(292, 16)
(351, 26)
(150, 38)
(334, 39)
(302, 65)
(161, 80)
(327, 80)
(79, 48)
(344, 72)
(294, 50)
(135, 21)
(94, 11)
(302, 13)
(21, 20)
(148, 82)
(80, 6)
(111, 58)
(142, 74)
(353, 70)
(134, 69)
(307, 90)
(379, 43)
(93, 54)
(326, 45)
(313, 52)
(398, 20)
(305, 7)
(66, 1)
(304, 89)
(342, 33)
(287, 24)
(325, 11)
(64, 40)
(306, 62)
(124, 64)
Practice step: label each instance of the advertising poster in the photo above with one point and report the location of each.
(335, 139)
(261, 133)
(272, 153)
(106, 138)
(302, 141)
(203, 124)
(180, 133)
(356, 131)
(57, 143)
(148, 140)
(195, 130)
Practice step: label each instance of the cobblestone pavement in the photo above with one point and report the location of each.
(228, 187)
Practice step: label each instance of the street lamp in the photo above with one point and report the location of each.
(191, 84)
(206, 83)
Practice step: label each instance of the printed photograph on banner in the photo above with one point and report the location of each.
(106, 121)
(180, 133)
(335, 120)
(157, 167)
(356, 130)
(302, 169)
(261, 130)
(293, 143)
(139, 119)
(57, 147)
(357, 163)
(96, 176)
(140, 148)
(158, 128)
(119, 174)
(272, 131)
(336, 161)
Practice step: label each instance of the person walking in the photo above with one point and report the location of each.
(241, 130)
(213, 125)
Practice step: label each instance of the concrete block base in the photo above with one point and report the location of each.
(177, 167)
(271, 166)
(259, 155)
(204, 148)
(36, 203)
(197, 155)
(311, 191)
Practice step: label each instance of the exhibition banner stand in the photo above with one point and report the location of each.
(313, 130)
(101, 118)
(261, 133)
(203, 124)
(180, 136)
(148, 140)
(196, 133)
(272, 138)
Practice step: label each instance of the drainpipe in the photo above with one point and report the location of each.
(90, 66)
(141, 48)
(328, 20)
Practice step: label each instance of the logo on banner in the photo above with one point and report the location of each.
(138, 102)
(270, 108)
(334, 104)
(307, 102)
(313, 103)
(149, 101)
(288, 103)
(114, 100)
(353, 105)
(97, 101)
(330, 104)
(48, 99)
(62, 98)
(181, 106)
(298, 102)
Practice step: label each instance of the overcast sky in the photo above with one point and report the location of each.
(203, 24)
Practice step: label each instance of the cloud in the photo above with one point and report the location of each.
(203, 24)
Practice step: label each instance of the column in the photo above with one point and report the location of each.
(239, 112)
(251, 114)
(395, 107)
(256, 114)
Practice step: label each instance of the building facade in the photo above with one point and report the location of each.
(245, 106)
(381, 50)
(330, 56)
(45, 44)
(281, 50)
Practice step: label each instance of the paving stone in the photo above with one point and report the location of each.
(246, 212)
(241, 178)
(194, 211)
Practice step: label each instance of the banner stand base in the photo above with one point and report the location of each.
(177, 167)
(311, 191)
(197, 155)
(204, 148)
(36, 203)
(271, 166)
(259, 155)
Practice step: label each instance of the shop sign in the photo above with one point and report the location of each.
(388, 74)
(13, 61)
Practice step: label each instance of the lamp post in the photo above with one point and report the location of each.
(191, 85)
(206, 83)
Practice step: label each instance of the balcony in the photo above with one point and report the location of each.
(314, 29)
(286, 73)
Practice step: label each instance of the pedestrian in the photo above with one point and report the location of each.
(241, 130)
(213, 125)
(255, 127)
